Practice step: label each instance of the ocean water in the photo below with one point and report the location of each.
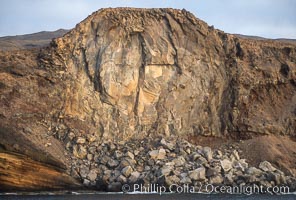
(117, 196)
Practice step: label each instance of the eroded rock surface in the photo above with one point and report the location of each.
(130, 73)
(21, 173)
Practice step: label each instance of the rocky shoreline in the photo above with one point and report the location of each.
(108, 166)
(136, 75)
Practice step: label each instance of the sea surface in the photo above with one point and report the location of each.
(117, 196)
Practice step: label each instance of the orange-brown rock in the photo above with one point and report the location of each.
(125, 73)
(133, 72)
(18, 172)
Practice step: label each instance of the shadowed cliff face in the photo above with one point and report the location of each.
(131, 72)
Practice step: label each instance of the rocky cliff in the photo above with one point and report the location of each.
(130, 73)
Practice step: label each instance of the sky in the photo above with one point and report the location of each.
(265, 18)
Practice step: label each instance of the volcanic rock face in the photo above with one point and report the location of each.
(136, 71)
(130, 73)
(151, 69)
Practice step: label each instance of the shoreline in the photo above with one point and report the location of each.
(132, 196)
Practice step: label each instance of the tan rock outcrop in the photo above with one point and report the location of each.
(129, 73)
(141, 71)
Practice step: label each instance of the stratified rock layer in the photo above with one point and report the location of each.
(21, 173)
